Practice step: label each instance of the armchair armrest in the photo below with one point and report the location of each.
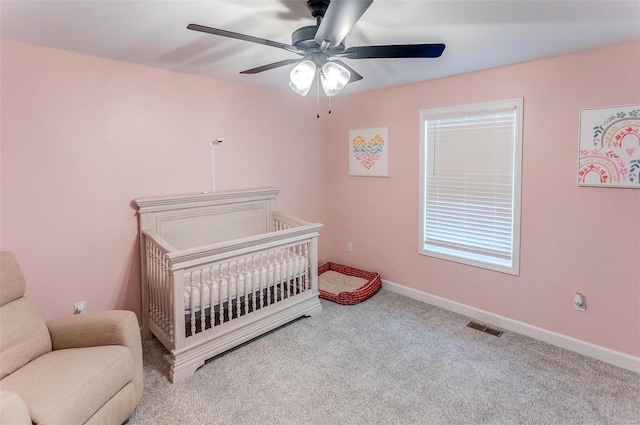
(113, 327)
(13, 410)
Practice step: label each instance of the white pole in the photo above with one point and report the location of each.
(212, 146)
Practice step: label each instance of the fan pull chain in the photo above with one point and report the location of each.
(329, 105)
(318, 96)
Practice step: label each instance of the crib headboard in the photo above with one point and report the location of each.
(189, 221)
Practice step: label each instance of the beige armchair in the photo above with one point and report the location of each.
(74, 370)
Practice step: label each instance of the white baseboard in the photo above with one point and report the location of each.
(607, 355)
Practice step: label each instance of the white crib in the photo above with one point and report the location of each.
(222, 268)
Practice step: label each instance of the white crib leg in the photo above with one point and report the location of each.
(182, 370)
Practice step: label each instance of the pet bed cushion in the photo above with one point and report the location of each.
(346, 285)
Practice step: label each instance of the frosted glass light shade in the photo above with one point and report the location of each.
(334, 78)
(302, 77)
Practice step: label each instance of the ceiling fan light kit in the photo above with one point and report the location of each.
(321, 46)
(334, 78)
(302, 76)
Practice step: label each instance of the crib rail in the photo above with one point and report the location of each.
(282, 221)
(204, 290)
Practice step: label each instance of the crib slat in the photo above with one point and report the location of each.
(193, 304)
(203, 316)
(151, 281)
(245, 285)
(283, 268)
(263, 277)
(300, 263)
(211, 298)
(295, 282)
(279, 255)
(306, 267)
(167, 296)
(271, 292)
(270, 272)
(293, 261)
(228, 287)
(254, 294)
(290, 257)
(167, 281)
(157, 317)
(161, 292)
(158, 289)
(220, 312)
(237, 285)
(256, 282)
(295, 264)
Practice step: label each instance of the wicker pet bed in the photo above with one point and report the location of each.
(346, 285)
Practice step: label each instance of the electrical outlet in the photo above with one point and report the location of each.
(579, 302)
(349, 247)
(80, 307)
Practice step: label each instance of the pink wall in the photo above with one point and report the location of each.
(572, 240)
(84, 136)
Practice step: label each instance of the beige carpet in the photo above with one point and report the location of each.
(390, 360)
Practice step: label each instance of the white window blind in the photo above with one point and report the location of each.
(470, 188)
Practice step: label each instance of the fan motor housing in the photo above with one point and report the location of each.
(303, 38)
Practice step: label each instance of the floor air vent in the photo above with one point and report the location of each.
(485, 329)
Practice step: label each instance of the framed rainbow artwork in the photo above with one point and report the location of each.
(610, 147)
(369, 152)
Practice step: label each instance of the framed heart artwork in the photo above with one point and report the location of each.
(610, 147)
(369, 152)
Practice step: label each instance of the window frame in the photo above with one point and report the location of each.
(465, 111)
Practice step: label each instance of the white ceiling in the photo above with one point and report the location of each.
(478, 34)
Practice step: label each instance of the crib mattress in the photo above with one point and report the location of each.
(233, 279)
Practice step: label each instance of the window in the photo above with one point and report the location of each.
(470, 162)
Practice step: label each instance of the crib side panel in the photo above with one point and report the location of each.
(224, 290)
(208, 225)
(158, 288)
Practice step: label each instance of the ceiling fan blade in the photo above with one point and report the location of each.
(244, 37)
(271, 66)
(395, 51)
(340, 17)
(354, 75)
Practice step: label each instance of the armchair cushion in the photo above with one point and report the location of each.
(114, 327)
(12, 409)
(118, 409)
(69, 386)
(23, 335)
(13, 284)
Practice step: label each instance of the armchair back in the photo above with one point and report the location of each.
(23, 334)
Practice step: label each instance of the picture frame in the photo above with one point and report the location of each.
(609, 147)
(369, 152)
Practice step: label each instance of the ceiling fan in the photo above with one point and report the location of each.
(322, 46)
